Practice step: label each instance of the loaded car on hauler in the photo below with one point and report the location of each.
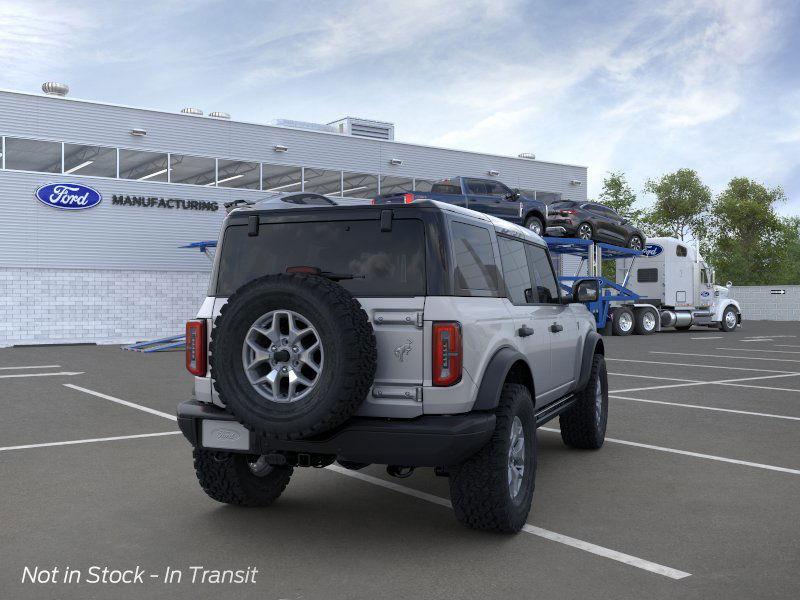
(411, 335)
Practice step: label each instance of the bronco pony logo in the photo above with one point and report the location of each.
(402, 351)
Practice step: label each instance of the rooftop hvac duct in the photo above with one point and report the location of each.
(51, 88)
(527, 155)
(192, 111)
(377, 130)
(219, 115)
(303, 125)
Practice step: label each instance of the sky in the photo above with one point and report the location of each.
(639, 87)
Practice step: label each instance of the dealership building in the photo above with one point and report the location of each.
(110, 269)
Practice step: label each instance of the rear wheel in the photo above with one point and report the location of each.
(584, 424)
(239, 479)
(493, 489)
(635, 243)
(535, 225)
(645, 321)
(584, 231)
(729, 320)
(623, 322)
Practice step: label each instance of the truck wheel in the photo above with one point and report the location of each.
(645, 321)
(622, 322)
(583, 425)
(493, 489)
(729, 320)
(535, 225)
(292, 355)
(239, 479)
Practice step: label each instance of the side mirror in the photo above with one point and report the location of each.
(586, 290)
(512, 196)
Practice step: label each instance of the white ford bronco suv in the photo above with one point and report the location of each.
(419, 335)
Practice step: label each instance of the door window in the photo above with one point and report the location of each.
(477, 187)
(516, 274)
(545, 287)
(495, 188)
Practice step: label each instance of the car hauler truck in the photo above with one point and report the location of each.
(667, 284)
(672, 276)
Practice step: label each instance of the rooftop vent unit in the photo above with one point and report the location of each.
(51, 88)
(192, 111)
(219, 115)
(527, 155)
(376, 130)
(303, 125)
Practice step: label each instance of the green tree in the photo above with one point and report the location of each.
(618, 195)
(681, 205)
(750, 243)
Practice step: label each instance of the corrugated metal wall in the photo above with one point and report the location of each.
(124, 237)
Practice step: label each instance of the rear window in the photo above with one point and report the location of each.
(446, 186)
(392, 262)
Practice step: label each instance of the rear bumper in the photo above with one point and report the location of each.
(426, 441)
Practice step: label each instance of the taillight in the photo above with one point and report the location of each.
(447, 353)
(408, 198)
(566, 213)
(373, 201)
(196, 358)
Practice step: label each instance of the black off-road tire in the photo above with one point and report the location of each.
(530, 222)
(347, 339)
(617, 327)
(583, 425)
(479, 488)
(226, 477)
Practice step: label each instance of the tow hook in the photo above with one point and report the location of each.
(399, 471)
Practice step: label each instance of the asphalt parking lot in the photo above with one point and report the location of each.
(694, 495)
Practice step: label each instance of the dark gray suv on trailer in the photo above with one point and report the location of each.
(594, 221)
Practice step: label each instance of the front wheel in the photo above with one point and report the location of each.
(583, 425)
(635, 243)
(493, 489)
(535, 225)
(729, 320)
(239, 479)
(584, 232)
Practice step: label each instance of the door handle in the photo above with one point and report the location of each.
(556, 327)
(524, 331)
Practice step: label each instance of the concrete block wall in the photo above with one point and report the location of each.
(51, 306)
(759, 303)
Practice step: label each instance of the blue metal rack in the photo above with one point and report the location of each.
(594, 253)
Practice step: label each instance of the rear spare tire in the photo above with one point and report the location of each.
(292, 355)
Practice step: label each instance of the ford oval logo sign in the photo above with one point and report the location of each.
(652, 250)
(68, 196)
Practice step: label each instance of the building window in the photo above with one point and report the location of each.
(321, 181)
(33, 155)
(280, 178)
(360, 185)
(423, 185)
(396, 185)
(194, 170)
(96, 161)
(237, 174)
(144, 166)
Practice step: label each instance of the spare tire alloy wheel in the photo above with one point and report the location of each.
(283, 356)
(292, 355)
(585, 231)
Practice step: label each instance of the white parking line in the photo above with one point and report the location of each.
(758, 350)
(31, 367)
(656, 377)
(655, 362)
(89, 441)
(787, 346)
(693, 454)
(152, 411)
(717, 382)
(698, 406)
(537, 531)
(708, 337)
(65, 373)
(722, 356)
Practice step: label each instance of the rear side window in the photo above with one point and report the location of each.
(545, 286)
(445, 187)
(392, 263)
(515, 270)
(474, 258)
(647, 275)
